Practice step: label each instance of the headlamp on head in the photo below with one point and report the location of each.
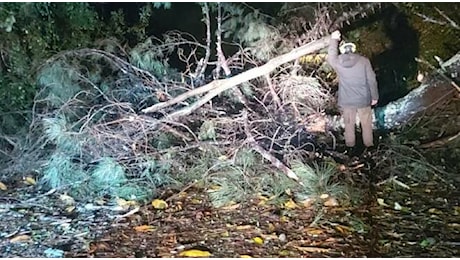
(348, 47)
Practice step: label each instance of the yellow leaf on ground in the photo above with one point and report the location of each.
(20, 239)
(258, 240)
(314, 231)
(159, 204)
(144, 228)
(230, 207)
(126, 203)
(311, 249)
(244, 227)
(343, 229)
(195, 253)
(290, 204)
(245, 256)
(3, 186)
(196, 201)
(29, 180)
(284, 219)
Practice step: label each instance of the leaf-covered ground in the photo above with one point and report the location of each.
(420, 219)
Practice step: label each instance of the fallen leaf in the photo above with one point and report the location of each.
(343, 229)
(222, 158)
(20, 239)
(435, 211)
(314, 231)
(159, 204)
(144, 228)
(195, 253)
(284, 219)
(125, 203)
(397, 206)
(284, 253)
(258, 240)
(70, 209)
(271, 228)
(67, 200)
(331, 202)
(29, 180)
(311, 249)
(324, 196)
(3, 186)
(306, 203)
(290, 204)
(282, 237)
(381, 202)
(243, 227)
(196, 201)
(231, 207)
(245, 256)
(214, 188)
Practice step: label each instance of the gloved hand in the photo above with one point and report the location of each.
(336, 35)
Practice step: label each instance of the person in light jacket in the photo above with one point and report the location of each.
(357, 90)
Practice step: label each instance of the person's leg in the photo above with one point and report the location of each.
(349, 119)
(365, 117)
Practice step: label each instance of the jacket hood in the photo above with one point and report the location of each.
(348, 60)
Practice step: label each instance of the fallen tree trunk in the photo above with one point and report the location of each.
(218, 86)
(426, 96)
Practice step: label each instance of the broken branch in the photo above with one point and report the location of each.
(218, 86)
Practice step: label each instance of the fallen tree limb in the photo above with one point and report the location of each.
(266, 155)
(440, 142)
(218, 86)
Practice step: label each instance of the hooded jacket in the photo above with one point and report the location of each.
(357, 81)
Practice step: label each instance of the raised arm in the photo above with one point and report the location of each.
(332, 51)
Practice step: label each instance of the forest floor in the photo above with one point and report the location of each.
(403, 214)
(421, 219)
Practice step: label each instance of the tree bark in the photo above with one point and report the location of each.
(427, 96)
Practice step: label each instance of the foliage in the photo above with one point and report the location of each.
(27, 44)
(151, 57)
(250, 29)
(435, 39)
(318, 180)
(68, 169)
